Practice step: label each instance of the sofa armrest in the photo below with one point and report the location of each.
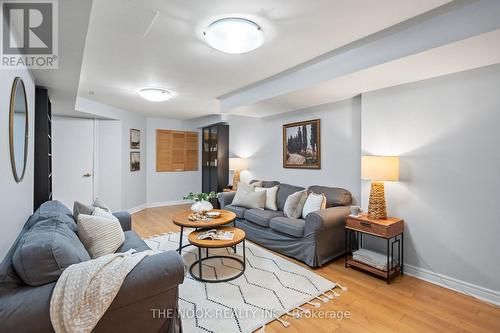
(326, 219)
(153, 275)
(225, 198)
(125, 220)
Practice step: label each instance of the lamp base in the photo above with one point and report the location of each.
(376, 204)
(236, 179)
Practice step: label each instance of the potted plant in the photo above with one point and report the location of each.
(201, 203)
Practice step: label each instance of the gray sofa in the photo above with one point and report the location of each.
(314, 240)
(152, 284)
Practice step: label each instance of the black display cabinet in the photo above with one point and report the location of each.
(215, 157)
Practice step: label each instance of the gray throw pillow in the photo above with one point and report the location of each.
(246, 197)
(294, 204)
(81, 208)
(46, 250)
(100, 204)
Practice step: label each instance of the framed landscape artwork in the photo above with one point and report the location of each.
(302, 145)
(135, 139)
(135, 161)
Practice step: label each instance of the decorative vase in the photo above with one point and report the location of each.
(201, 206)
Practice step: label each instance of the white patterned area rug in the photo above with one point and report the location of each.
(272, 288)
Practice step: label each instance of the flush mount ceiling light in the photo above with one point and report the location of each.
(234, 35)
(155, 94)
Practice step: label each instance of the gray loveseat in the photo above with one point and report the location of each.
(151, 285)
(314, 240)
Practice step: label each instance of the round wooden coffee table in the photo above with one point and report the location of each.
(239, 237)
(182, 221)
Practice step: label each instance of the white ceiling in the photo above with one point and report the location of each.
(63, 83)
(119, 59)
(470, 53)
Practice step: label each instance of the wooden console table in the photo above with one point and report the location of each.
(391, 229)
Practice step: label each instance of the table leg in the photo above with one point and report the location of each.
(180, 240)
(234, 247)
(388, 268)
(346, 247)
(244, 256)
(199, 263)
(402, 251)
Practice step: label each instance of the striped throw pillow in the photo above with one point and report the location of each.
(100, 234)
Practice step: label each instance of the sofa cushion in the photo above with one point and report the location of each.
(261, 217)
(239, 211)
(283, 192)
(292, 227)
(334, 196)
(51, 209)
(54, 206)
(42, 216)
(45, 250)
(132, 241)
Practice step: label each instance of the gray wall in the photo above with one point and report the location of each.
(108, 178)
(446, 132)
(260, 140)
(169, 187)
(133, 191)
(16, 200)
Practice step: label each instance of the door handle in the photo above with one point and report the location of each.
(87, 175)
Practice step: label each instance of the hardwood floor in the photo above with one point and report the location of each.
(406, 305)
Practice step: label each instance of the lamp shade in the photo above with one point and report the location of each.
(236, 163)
(380, 168)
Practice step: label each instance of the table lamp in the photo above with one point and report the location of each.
(379, 169)
(237, 164)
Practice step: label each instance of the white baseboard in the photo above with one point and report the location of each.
(168, 203)
(137, 209)
(158, 204)
(484, 294)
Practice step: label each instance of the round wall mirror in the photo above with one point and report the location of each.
(18, 129)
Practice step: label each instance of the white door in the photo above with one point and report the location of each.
(72, 160)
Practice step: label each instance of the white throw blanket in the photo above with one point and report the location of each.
(372, 258)
(84, 291)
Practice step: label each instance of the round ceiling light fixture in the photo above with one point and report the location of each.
(155, 94)
(234, 35)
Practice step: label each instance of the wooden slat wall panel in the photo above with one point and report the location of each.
(191, 151)
(176, 151)
(163, 150)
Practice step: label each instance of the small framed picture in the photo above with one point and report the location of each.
(135, 161)
(302, 145)
(135, 139)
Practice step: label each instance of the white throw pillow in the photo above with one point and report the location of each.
(271, 194)
(99, 234)
(246, 197)
(314, 202)
(104, 213)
